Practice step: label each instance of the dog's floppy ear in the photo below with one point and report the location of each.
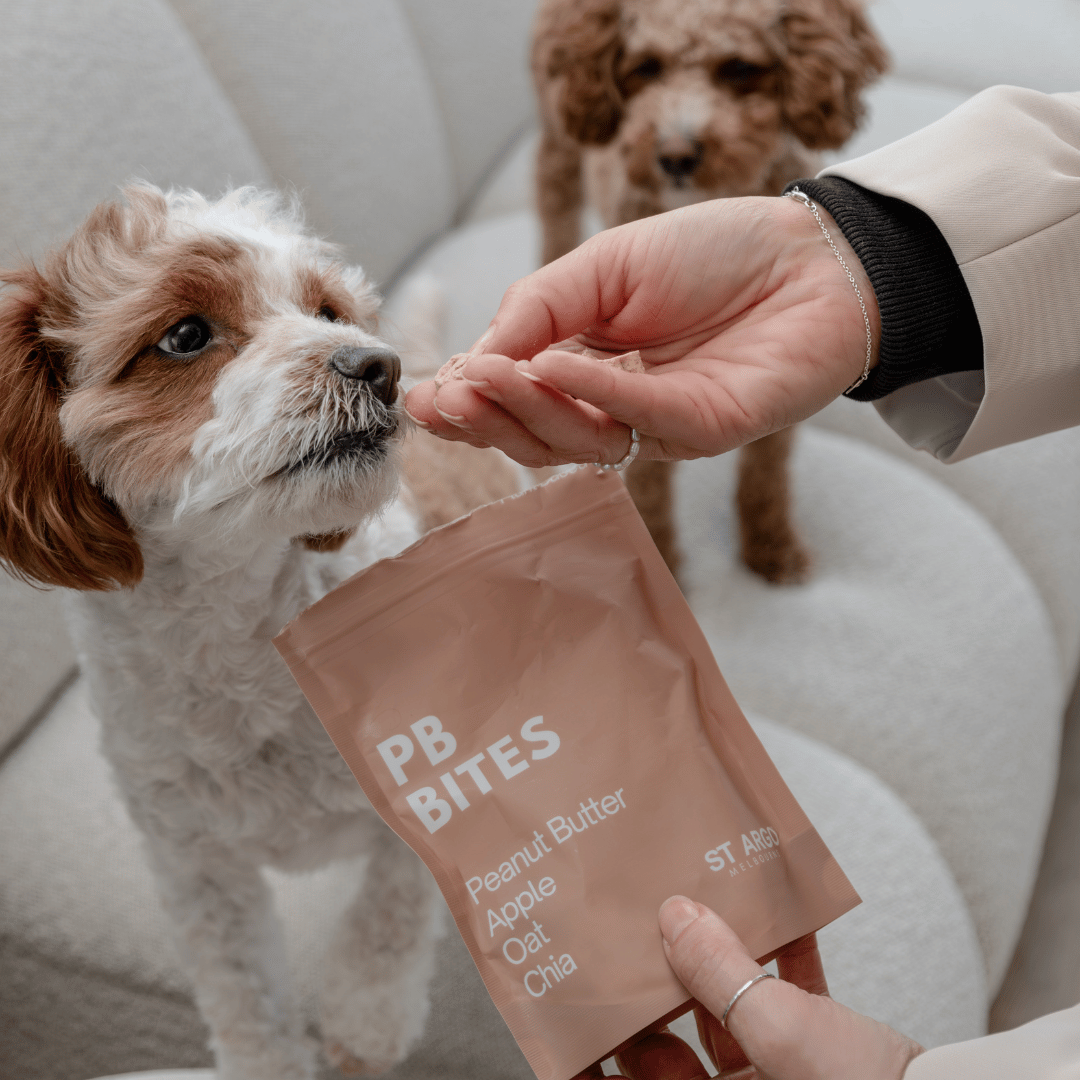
(832, 55)
(576, 47)
(56, 528)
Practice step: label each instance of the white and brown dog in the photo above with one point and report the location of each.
(197, 414)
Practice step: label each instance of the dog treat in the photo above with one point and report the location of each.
(452, 368)
(527, 700)
(627, 361)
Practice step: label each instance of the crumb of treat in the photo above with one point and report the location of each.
(627, 361)
(451, 369)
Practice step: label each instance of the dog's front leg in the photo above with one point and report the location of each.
(770, 544)
(231, 945)
(374, 997)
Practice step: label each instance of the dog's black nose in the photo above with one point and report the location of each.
(680, 158)
(376, 365)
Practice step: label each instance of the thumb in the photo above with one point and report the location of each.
(704, 952)
(786, 1032)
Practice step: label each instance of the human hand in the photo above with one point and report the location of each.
(744, 318)
(780, 1029)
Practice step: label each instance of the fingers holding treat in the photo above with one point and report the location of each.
(672, 406)
(486, 397)
(422, 410)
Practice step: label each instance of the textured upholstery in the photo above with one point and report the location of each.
(479, 67)
(341, 106)
(1018, 490)
(36, 654)
(913, 929)
(925, 666)
(94, 94)
(898, 653)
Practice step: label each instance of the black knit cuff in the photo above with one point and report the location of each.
(928, 322)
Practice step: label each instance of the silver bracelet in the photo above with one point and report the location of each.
(802, 197)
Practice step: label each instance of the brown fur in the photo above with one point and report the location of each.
(333, 541)
(92, 414)
(734, 96)
(112, 291)
(448, 479)
(649, 484)
(768, 543)
(56, 528)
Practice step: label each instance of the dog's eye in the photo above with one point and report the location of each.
(327, 312)
(742, 76)
(187, 336)
(648, 69)
(645, 71)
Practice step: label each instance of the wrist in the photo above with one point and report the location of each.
(862, 299)
(929, 326)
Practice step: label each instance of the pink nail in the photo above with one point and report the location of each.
(523, 370)
(457, 421)
(419, 423)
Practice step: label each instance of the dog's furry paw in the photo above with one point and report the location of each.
(374, 1037)
(348, 1064)
(368, 1027)
(786, 565)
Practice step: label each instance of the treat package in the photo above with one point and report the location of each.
(527, 700)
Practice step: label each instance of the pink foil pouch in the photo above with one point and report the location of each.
(527, 700)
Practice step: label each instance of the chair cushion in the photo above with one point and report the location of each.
(341, 107)
(913, 930)
(35, 654)
(919, 647)
(94, 94)
(477, 58)
(1029, 493)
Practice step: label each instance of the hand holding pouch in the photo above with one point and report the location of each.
(527, 700)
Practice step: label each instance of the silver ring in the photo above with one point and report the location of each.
(739, 993)
(628, 458)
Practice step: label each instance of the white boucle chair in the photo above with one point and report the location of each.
(911, 693)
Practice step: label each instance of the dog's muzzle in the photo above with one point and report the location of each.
(680, 158)
(377, 365)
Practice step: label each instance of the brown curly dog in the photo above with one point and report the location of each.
(648, 105)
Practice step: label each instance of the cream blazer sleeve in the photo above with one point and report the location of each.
(1000, 177)
(1045, 1049)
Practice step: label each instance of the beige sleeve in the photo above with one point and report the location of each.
(1000, 177)
(1045, 1049)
